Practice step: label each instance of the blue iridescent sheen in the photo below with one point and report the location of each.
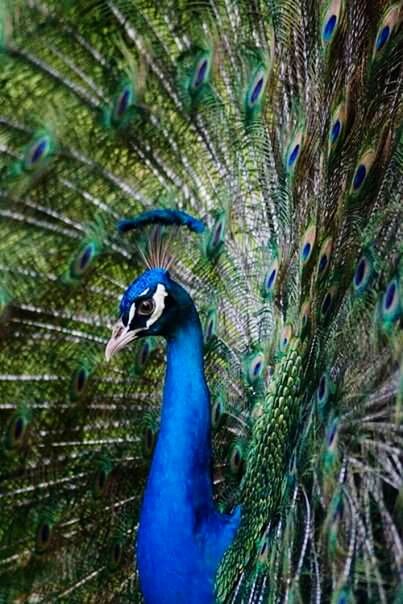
(271, 279)
(256, 91)
(331, 433)
(257, 368)
(201, 73)
(390, 294)
(383, 37)
(86, 256)
(306, 250)
(39, 150)
(123, 102)
(335, 132)
(161, 216)
(329, 28)
(359, 177)
(359, 273)
(322, 263)
(293, 156)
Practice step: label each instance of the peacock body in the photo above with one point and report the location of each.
(272, 471)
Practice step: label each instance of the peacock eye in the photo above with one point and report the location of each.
(146, 307)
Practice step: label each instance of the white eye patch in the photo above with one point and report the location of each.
(159, 299)
(133, 306)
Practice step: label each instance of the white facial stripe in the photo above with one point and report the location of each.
(131, 312)
(144, 292)
(159, 295)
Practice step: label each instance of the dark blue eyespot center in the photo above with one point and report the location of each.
(217, 233)
(322, 262)
(86, 256)
(18, 428)
(272, 278)
(360, 272)
(257, 368)
(306, 250)
(256, 90)
(123, 103)
(359, 177)
(201, 73)
(39, 150)
(331, 434)
(329, 28)
(293, 155)
(335, 132)
(382, 37)
(390, 295)
(322, 387)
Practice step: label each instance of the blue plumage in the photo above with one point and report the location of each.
(164, 217)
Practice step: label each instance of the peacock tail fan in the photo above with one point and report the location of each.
(278, 126)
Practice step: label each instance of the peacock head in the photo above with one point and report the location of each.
(153, 304)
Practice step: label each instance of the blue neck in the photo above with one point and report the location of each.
(184, 443)
(185, 421)
(182, 538)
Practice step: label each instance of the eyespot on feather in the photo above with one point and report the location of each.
(270, 280)
(285, 337)
(307, 245)
(362, 170)
(363, 274)
(331, 21)
(254, 366)
(202, 71)
(294, 150)
(304, 318)
(386, 29)
(237, 459)
(325, 255)
(16, 431)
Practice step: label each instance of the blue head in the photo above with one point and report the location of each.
(153, 304)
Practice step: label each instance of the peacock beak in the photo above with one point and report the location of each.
(121, 336)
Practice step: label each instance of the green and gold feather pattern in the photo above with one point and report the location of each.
(279, 124)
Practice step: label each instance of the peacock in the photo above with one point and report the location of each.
(201, 301)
